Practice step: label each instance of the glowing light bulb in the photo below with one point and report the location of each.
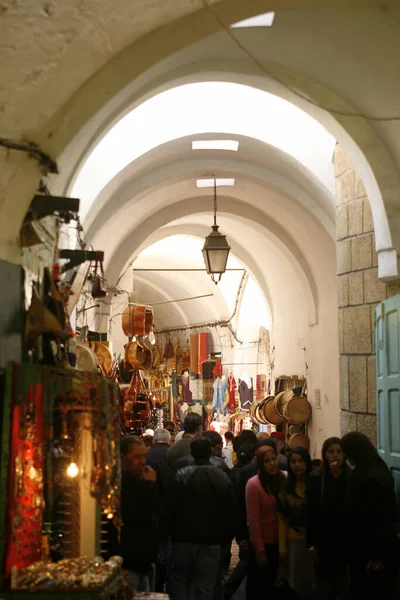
(72, 470)
(110, 516)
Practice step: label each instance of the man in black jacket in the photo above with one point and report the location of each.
(157, 457)
(139, 508)
(199, 515)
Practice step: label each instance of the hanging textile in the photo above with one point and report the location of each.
(232, 387)
(194, 353)
(220, 386)
(207, 367)
(246, 392)
(261, 387)
(184, 381)
(217, 370)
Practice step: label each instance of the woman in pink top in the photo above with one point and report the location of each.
(263, 520)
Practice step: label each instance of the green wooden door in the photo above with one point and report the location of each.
(387, 342)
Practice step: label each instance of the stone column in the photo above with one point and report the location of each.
(359, 292)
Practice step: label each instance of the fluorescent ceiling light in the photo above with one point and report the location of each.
(205, 183)
(264, 20)
(215, 145)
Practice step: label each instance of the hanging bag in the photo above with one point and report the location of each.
(99, 287)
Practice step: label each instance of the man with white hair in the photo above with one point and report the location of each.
(157, 457)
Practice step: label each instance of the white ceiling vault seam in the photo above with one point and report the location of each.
(200, 108)
(255, 161)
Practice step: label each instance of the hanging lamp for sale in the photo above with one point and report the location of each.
(216, 248)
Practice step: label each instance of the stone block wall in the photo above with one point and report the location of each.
(359, 292)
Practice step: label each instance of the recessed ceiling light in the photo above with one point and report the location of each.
(205, 183)
(264, 20)
(215, 145)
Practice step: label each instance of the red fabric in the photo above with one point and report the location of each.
(204, 349)
(25, 491)
(194, 353)
(232, 387)
(262, 515)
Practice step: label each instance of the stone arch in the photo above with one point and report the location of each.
(230, 206)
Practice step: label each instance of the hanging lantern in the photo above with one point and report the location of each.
(216, 248)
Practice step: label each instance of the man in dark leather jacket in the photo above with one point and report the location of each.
(199, 514)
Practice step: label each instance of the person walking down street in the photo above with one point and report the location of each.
(262, 492)
(157, 457)
(293, 550)
(373, 544)
(192, 427)
(198, 516)
(245, 456)
(139, 539)
(326, 528)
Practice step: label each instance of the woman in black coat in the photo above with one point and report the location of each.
(325, 523)
(373, 544)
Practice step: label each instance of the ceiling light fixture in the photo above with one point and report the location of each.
(216, 248)
(264, 20)
(215, 145)
(205, 183)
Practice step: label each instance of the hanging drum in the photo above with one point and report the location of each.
(299, 440)
(296, 429)
(127, 321)
(280, 401)
(134, 355)
(270, 413)
(104, 357)
(86, 359)
(296, 410)
(143, 320)
(137, 320)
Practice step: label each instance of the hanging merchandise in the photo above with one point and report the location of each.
(246, 391)
(261, 386)
(175, 384)
(220, 386)
(169, 350)
(59, 425)
(207, 377)
(194, 353)
(99, 286)
(217, 370)
(184, 381)
(200, 348)
(232, 387)
(137, 320)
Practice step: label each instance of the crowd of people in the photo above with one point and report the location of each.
(322, 528)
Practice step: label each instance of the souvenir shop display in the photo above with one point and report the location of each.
(61, 427)
(70, 575)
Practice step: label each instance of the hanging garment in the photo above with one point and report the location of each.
(207, 369)
(232, 387)
(184, 381)
(174, 383)
(217, 399)
(246, 393)
(261, 387)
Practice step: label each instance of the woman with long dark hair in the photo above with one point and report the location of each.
(373, 544)
(293, 549)
(262, 515)
(326, 527)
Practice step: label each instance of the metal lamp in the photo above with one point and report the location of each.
(216, 248)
